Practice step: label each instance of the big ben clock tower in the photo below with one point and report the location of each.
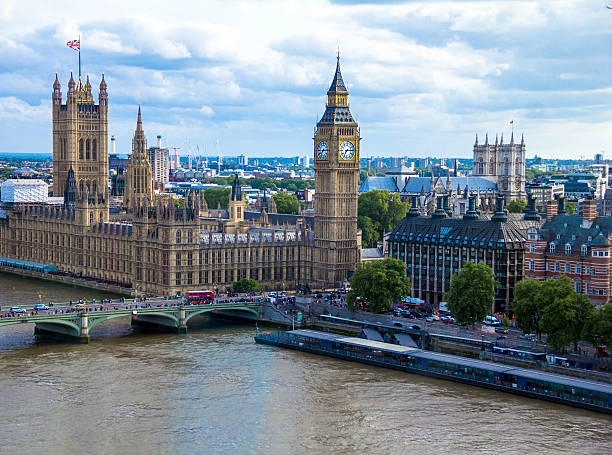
(336, 164)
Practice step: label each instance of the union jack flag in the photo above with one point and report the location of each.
(74, 44)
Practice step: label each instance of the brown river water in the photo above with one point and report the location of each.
(215, 391)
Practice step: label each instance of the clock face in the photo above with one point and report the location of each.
(347, 150)
(322, 150)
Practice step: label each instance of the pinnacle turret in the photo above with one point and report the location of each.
(476, 143)
(56, 83)
(337, 84)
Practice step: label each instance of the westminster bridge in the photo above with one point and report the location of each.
(66, 323)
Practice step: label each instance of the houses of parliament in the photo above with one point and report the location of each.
(157, 248)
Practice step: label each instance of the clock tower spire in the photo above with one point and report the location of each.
(336, 163)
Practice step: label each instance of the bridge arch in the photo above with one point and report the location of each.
(63, 322)
(244, 309)
(95, 320)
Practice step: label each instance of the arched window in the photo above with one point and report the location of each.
(178, 237)
(568, 248)
(81, 149)
(189, 237)
(94, 150)
(91, 217)
(94, 187)
(552, 247)
(583, 250)
(87, 149)
(88, 188)
(81, 186)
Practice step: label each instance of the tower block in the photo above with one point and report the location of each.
(80, 138)
(336, 164)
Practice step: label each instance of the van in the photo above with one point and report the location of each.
(491, 320)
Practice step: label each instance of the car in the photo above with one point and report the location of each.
(447, 319)
(398, 324)
(500, 330)
(16, 309)
(528, 336)
(40, 307)
(80, 306)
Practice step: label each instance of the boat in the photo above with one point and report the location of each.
(577, 392)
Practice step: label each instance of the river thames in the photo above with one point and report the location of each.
(215, 391)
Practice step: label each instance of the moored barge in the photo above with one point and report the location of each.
(592, 395)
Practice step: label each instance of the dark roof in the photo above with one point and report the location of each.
(378, 183)
(414, 184)
(478, 233)
(278, 219)
(571, 229)
(337, 84)
(337, 115)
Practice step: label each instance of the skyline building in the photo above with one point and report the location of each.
(158, 245)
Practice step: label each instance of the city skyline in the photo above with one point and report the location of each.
(424, 77)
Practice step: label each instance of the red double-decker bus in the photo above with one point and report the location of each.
(199, 297)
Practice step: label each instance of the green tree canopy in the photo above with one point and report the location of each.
(525, 305)
(570, 208)
(472, 293)
(384, 210)
(598, 329)
(379, 284)
(216, 197)
(557, 319)
(517, 206)
(246, 285)
(286, 203)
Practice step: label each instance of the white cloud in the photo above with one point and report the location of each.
(420, 73)
(16, 109)
(207, 111)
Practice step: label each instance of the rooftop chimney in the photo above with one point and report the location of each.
(159, 141)
(439, 212)
(500, 212)
(531, 214)
(589, 209)
(414, 210)
(551, 209)
(471, 213)
(113, 146)
(561, 205)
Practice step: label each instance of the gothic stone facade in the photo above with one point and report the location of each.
(502, 163)
(159, 249)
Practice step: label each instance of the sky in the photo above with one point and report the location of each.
(237, 76)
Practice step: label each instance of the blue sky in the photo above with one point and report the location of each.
(251, 76)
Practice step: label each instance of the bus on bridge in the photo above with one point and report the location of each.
(199, 297)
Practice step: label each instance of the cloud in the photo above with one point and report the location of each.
(424, 76)
(207, 111)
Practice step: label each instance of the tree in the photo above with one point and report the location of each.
(384, 210)
(379, 284)
(525, 305)
(585, 311)
(531, 297)
(286, 203)
(517, 206)
(557, 320)
(246, 285)
(472, 293)
(598, 329)
(216, 197)
(570, 208)
(369, 233)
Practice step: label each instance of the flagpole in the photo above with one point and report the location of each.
(79, 56)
